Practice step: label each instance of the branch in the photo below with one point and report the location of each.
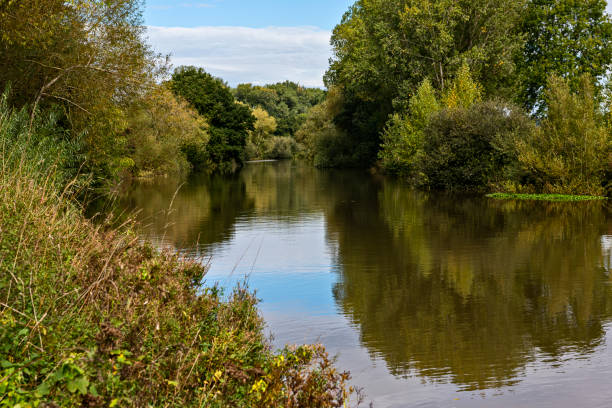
(67, 100)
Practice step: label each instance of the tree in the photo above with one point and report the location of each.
(402, 138)
(567, 38)
(287, 102)
(229, 121)
(264, 128)
(384, 49)
(87, 57)
(165, 135)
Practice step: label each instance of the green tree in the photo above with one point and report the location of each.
(264, 128)
(87, 57)
(384, 49)
(287, 102)
(402, 138)
(229, 121)
(564, 37)
(570, 151)
(164, 133)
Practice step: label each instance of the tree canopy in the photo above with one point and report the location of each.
(566, 38)
(384, 49)
(287, 102)
(229, 121)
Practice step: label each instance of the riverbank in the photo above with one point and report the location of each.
(89, 316)
(544, 197)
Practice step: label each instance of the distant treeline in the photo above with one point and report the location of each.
(480, 95)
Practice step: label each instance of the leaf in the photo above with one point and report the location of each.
(43, 389)
(82, 384)
(113, 403)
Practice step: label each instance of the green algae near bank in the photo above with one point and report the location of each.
(544, 197)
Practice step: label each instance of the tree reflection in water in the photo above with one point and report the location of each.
(451, 288)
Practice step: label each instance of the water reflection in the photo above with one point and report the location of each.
(454, 290)
(469, 289)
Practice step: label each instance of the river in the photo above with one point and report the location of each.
(429, 299)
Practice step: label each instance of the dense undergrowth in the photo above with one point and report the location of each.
(92, 317)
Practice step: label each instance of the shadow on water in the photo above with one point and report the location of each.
(457, 289)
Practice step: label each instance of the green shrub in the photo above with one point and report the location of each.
(569, 153)
(402, 138)
(472, 148)
(280, 147)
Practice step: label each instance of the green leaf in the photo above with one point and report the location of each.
(43, 389)
(78, 384)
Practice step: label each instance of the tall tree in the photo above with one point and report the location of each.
(567, 38)
(229, 121)
(383, 49)
(89, 57)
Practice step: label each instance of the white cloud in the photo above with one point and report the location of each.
(256, 55)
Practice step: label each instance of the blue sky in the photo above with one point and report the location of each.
(246, 13)
(263, 41)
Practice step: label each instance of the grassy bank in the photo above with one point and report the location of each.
(91, 317)
(544, 197)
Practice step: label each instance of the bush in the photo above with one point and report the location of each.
(280, 147)
(570, 152)
(259, 139)
(402, 139)
(471, 148)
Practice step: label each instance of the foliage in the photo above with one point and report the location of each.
(464, 91)
(323, 143)
(471, 148)
(287, 102)
(569, 152)
(384, 49)
(280, 147)
(564, 37)
(229, 121)
(87, 57)
(264, 128)
(92, 317)
(161, 128)
(403, 138)
(543, 197)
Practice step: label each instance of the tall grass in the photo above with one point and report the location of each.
(91, 317)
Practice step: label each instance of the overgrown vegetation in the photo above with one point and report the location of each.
(89, 316)
(477, 95)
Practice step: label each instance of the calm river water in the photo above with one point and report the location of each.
(429, 300)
